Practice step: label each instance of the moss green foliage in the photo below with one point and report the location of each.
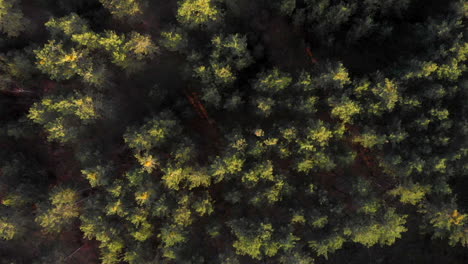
(62, 116)
(8, 230)
(63, 62)
(194, 13)
(123, 8)
(174, 39)
(64, 209)
(233, 131)
(383, 233)
(411, 194)
(12, 20)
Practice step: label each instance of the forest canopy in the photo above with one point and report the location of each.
(233, 131)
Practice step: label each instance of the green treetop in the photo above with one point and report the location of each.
(124, 8)
(84, 55)
(64, 209)
(12, 20)
(194, 13)
(62, 117)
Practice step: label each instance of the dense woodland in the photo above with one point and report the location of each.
(233, 131)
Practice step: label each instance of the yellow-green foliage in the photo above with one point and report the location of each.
(151, 134)
(69, 25)
(171, 235)
(346, 109)
(448, 222)
(173, 40)
(411, 194)
(318, 136)
(327, 245)
(63, 210)
(319, 222)
(96, 176)
(298, 218)
(265, 105)
(123, 8)
(183, 215)
(144, 232)
(273, 81)
(61, 63)
(451, 69)
(341, 75)
(81, 107)
(317, 160)
(193, 13)
(231, 50)
(227, 166)
(204, 206)
(8, 229)
(370, 139)
(127, 51)
(229, 55)
(383, 232)
(387, 93)
(255, 241)
(189, 177)
(223, 73)
(56, 115)
(13, 200)
(261, 172)
(141, 46)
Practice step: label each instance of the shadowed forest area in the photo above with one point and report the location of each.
(233, 131)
